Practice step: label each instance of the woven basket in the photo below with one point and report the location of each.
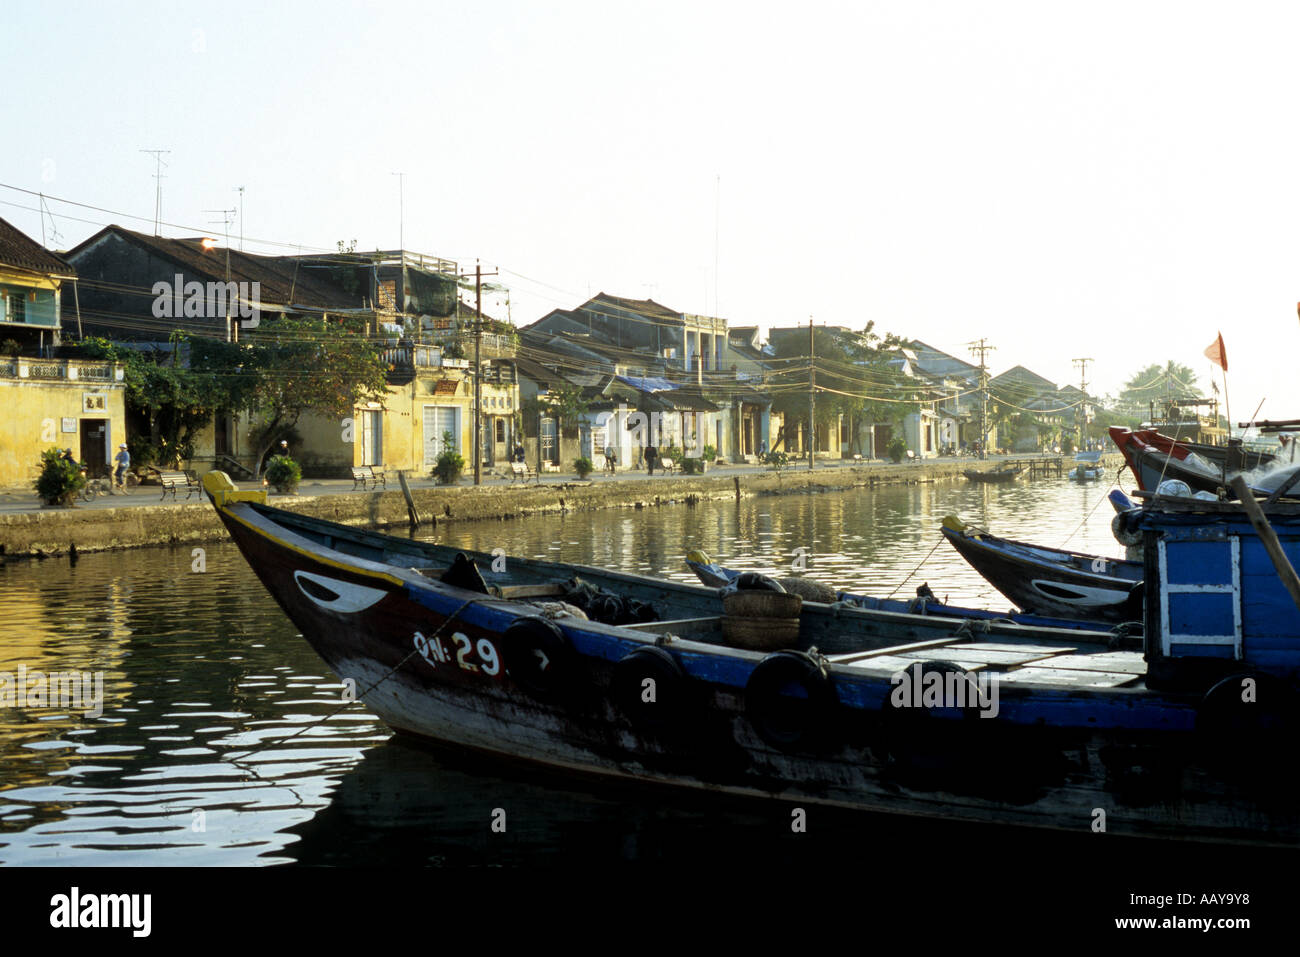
(761, 620)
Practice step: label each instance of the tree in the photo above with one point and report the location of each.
(173, 399)
(292, 367)
(1159, 385)
(853, 377)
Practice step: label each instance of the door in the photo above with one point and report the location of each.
(94, 452)
(372, 442)
(439, 419)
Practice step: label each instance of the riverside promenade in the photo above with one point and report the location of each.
(143, 518)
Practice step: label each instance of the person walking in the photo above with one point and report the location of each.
(123, 462)
(651, 453)
(610, 459)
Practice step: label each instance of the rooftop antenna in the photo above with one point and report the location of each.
(241, 217)
(55, 236)
(158, 175)
(401, 210)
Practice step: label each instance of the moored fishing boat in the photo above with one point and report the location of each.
(993, 475)
(1051, 581)
(995, 722)
(1154, 458)
(715, 575)
(1087, 465)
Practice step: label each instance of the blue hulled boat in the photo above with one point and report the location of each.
(596, 671)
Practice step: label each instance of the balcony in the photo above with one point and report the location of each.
(66, 370)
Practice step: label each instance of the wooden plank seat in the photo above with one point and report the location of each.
(521, 471)
(172, 479)
(375, 475)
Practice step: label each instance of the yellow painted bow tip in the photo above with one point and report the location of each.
(699, 557)
(225, 492)
(954, 524)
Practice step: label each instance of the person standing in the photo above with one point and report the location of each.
(651, 453)
(123, 462)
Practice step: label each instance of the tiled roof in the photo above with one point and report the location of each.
(19, 250)
(281, 281)
(642, 307)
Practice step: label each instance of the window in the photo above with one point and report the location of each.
(501, 430)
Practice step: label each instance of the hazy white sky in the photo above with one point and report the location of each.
(1109, 180)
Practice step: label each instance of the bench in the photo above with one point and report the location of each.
(521, 471)
(667, 463)
(172, 480)
(374, 474)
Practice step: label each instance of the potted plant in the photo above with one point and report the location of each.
(896, 449)
(583, 467)
(284, 473)
(449, 464)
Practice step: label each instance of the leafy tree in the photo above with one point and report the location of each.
(1159, 385)
(565, 404)
(853, 377)
(291, 367)
(175, 401)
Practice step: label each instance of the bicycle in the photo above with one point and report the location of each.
(93, 488)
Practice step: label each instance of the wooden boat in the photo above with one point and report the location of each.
(1154, 458)
(712, 574)
(866, 709)
(1087, 466)
(995, 475)
(1051, 581)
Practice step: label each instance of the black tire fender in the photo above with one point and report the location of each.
(650, 687)
(791, 702)
(539, 657)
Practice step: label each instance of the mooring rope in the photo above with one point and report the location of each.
(916, 569)
(1104, 496)
(347, 704)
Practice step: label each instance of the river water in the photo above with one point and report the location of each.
(201, 666)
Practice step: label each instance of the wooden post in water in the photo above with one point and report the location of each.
(412, 515)
(1268, 537)
(736, 480)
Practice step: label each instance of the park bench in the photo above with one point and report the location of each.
(172, 480)
(376, 475)
(521, 471)
(667, 463)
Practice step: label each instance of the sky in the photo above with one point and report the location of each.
(1112, 181)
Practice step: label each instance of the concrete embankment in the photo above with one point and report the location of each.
(48, 532)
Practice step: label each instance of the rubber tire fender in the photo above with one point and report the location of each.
(669, 688)
(791, 702)
(539, 657)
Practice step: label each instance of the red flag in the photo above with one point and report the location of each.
(1217, 354)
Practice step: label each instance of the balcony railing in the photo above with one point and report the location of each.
(71, 370)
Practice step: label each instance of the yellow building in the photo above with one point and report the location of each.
(48, 402)
(405, 431)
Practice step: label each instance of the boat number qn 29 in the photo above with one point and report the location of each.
(475, 657)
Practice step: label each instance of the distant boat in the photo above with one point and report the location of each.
(1051, 581)
(996, 475)
(1087, 465)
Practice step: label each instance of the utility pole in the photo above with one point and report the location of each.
(241, 219)
(232, 331)
(812, 394)
(1083, 402)
(981, 348)
(478, 373)
(157, 203)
